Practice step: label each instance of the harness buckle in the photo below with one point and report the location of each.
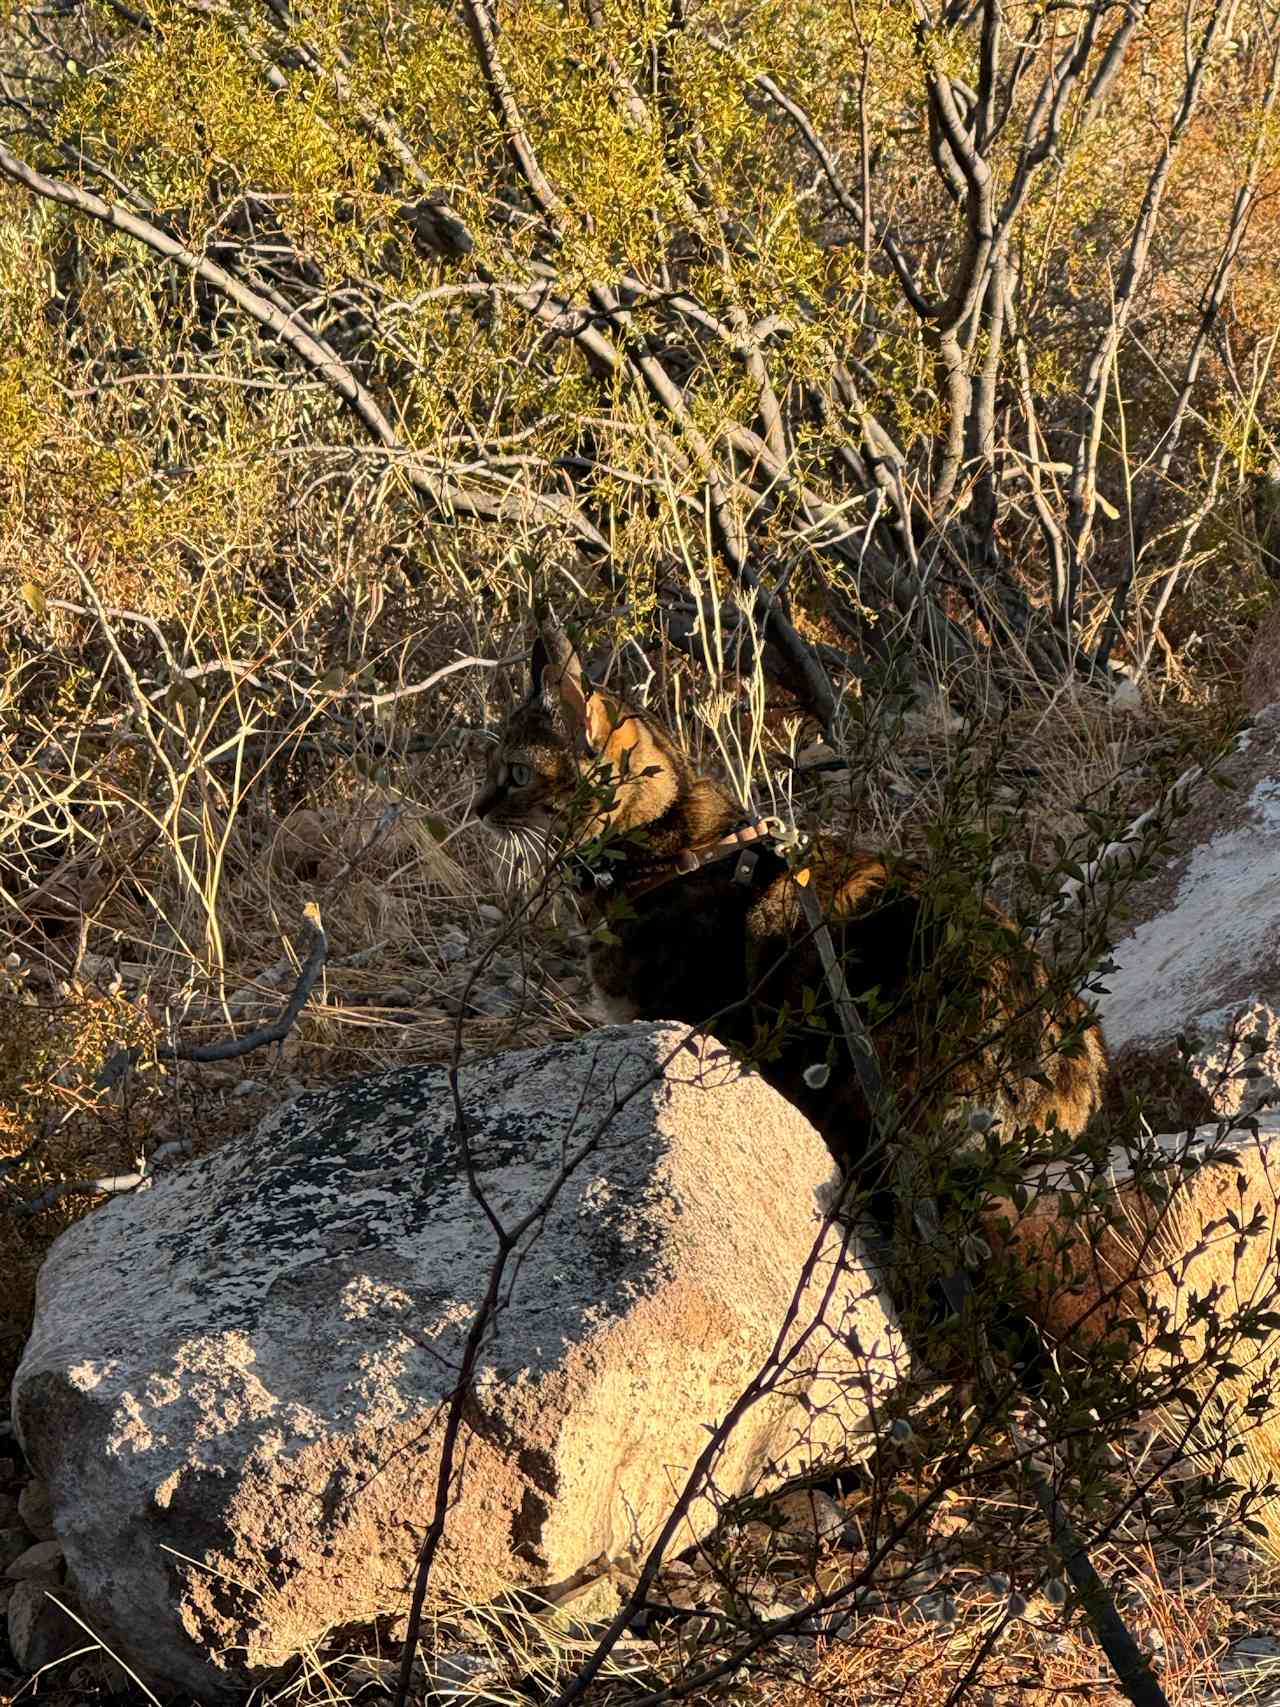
(744, 870)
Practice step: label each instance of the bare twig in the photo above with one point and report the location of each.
(232, 1048)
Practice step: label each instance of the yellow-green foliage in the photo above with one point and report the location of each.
(49, 1055)
(196, 117)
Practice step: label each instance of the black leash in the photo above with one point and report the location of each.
(1131, 1665)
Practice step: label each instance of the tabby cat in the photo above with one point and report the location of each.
(695, 919)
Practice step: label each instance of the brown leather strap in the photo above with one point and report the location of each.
(689, 860)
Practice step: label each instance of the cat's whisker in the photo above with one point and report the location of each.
(528, 853)
(506, 866)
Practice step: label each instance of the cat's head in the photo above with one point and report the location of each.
(572, 761)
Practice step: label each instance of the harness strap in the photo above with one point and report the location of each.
(1131, 1665)
(884, 1114)
(689, 860)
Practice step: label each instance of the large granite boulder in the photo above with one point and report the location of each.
(237, 1382)
(1200, 954)
(1188, 1271)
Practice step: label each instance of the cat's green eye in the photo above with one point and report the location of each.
(521, 775)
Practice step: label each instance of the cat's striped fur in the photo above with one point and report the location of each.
(712, 949)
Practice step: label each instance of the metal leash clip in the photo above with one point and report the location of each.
(786, 836)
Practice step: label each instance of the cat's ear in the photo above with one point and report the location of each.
(538, 661)
(558, 679)
(599, 720)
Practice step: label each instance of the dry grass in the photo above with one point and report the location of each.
(1186, 1607)
(160, 850)
(172, 800)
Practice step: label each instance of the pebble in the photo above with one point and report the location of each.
(461, 1673)
(1250, 1671)
(248, 1088)
(935, 1609)
(490, 914)
(493, 1003)
(40, 1632)
(13, 1544)
(42, 1563)
(35, 1511)
(808, 1513)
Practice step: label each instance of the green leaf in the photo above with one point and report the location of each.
(33, 596)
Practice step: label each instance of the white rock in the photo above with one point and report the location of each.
(1199, 954)
(1250, 1671)
(236, 1385)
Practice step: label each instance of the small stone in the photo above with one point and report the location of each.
(461, 1673)
(40, 1632)
(42, 1563)
(248, 1088)
(13, 1544)
(453, 950)
(35, 1511)
(1250, 1670)
(494, 1003)
(490, 914)
(936, 1608)
(810, 1515)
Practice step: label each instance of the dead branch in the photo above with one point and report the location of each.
(1082, 495)
(232, 1048)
